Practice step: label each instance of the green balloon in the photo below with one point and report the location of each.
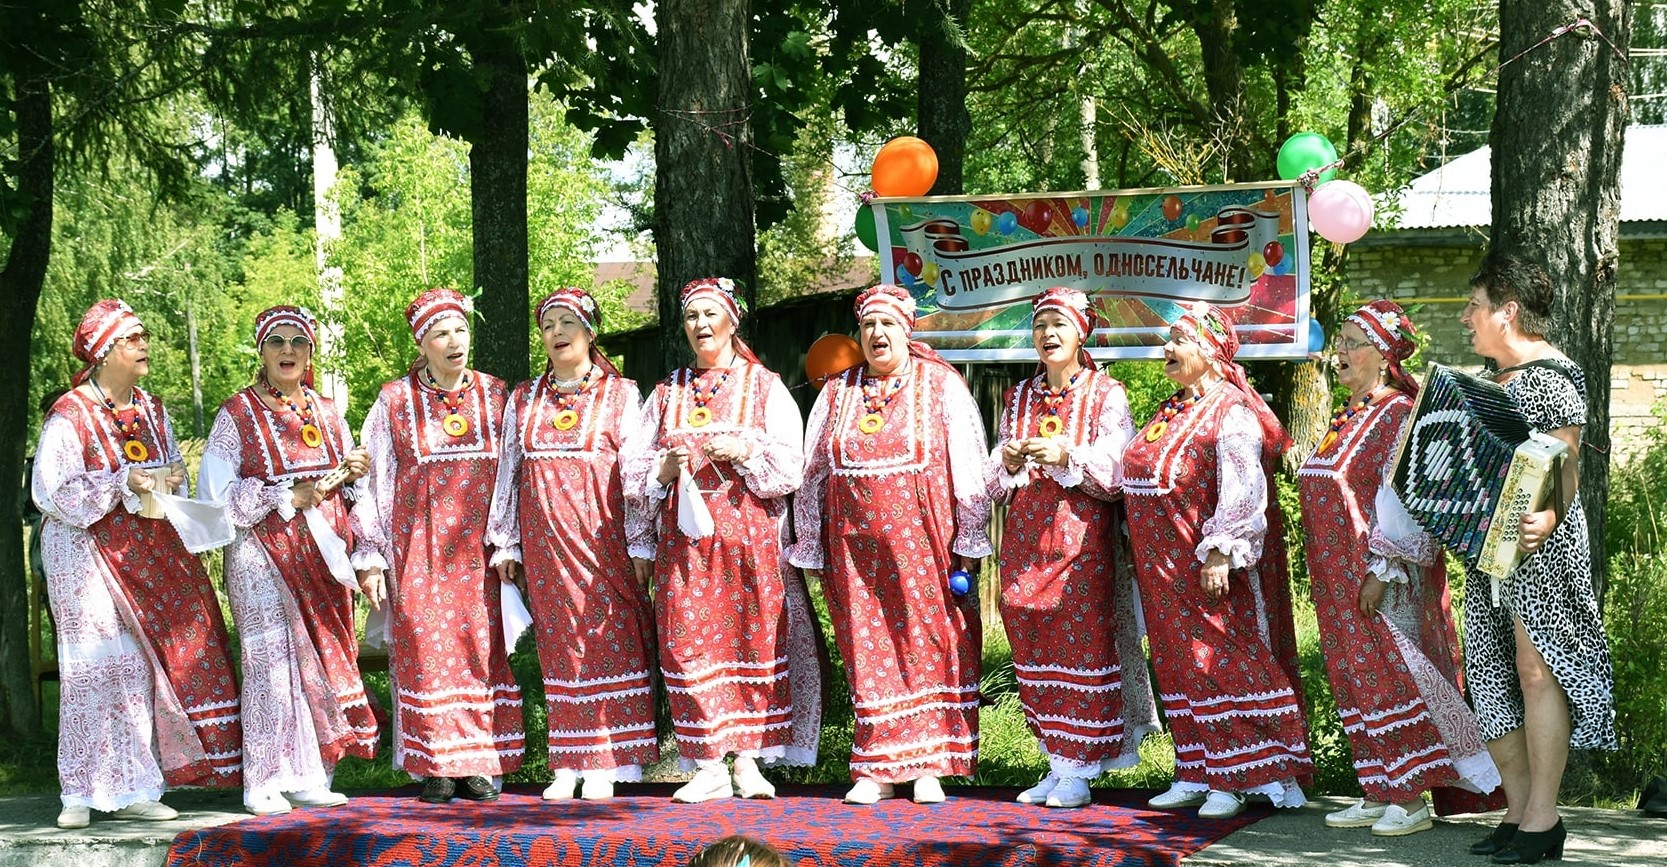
(1305, 151)
(866, 232)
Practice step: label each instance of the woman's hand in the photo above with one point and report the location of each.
(1371, 595)
(374, 585)
(1013, 456)
(1048, 451)
(1213, 576)
(727, 447)
(304, 496)
(357, 463)
(509, 571)
(671, 463)
(973, 565)
(140, 481)
(176, 476)
(1536, 527)
(643, 569)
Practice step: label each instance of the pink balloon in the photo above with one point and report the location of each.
(1341, 211)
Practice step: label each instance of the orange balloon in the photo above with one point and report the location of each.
(831, 354)
(905, 166)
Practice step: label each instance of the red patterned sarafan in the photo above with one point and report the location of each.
(883, 512)
(1395, 675)
(134, 609)
(1067, 582)
(303, 602)
(1225, 667)
(457, 706)
(559, 510)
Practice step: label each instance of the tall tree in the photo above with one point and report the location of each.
(1558, 131)
(943, 119)
(703, 194)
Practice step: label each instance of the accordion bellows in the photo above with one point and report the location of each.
(1469, 466)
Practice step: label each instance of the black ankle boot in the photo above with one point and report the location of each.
(1495, 840)
(1528, 847)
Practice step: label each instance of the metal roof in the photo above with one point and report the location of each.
(1456, 195)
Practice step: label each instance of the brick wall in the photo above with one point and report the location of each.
(1430, 278)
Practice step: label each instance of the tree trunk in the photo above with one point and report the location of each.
(20, 291)
(498, 194)
(942, 117)
(1558, 130)
(1215, 22)
(703, 199)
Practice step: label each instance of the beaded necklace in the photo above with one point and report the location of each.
(1342, 417)
(311, 436)
(701, 416)
(875, 400)
(566, 416)
(1052, 424)
(1173, 406)
(129, 426)
(455, 424)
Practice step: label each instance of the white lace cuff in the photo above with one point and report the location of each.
(369, 559)
(284, 494)
(754, 461)
(1070, 475)
(505, 554)
(130, 500)
(1240, 554)
(973, 543)
(806, 555)
(1014, 481)
(642, 552)
(1388, 571)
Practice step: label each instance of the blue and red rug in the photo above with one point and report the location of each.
(643, 828)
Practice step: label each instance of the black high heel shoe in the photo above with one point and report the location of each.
(1496, 839)
(1528, 847)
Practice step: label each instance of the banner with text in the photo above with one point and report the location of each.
(974, 262)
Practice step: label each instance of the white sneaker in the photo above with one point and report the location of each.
(1360, 814)
(74, 817)
(1071, 792)
(269, 804)
(147, 811)
(321, 797)
(1221, 805)
(561, 788)
(1177, 796)
(928, 791)
(749, 783)
(1038, 793)
(710, 784)
(1397, 822)
(866, 791)
(596, 789)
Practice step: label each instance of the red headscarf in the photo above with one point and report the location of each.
(433, 306)
(886, 298)
(103, 324)
(581, 304)
(721, 290)
(1073, 305)
(1212, 329)
(299, 317)
(1389, 329)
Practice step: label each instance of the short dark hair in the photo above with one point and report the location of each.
(729, 851)
(1505, 278)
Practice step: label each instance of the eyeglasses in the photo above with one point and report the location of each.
(277, 342)
(1351, 345)
(134, 339)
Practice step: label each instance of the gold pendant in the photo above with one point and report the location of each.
(871, 423)
(455, 425)
(1156, 430)
(565, 419)
(1329, 441)
(1051, 426)
(312, 436)
(136, 451)
(700, 417)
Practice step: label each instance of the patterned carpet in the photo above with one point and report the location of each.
(643, 828)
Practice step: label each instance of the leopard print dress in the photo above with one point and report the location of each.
(1550, 592)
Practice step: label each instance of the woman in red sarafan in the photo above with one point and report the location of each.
(434, 437)
(1211, 565)
(1067, 588)
(288, 572)
(1380, 592)
(558, 518)
(148, 699)
(894, 501)
(711, 479)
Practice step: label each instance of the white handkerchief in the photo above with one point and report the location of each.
(332, 547)
(693, 518)
(516, 616)
(202, 526)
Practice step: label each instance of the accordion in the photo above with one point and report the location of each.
(1468, 468)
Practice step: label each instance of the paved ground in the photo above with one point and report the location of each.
(1597, 837)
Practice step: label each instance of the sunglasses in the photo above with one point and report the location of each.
(277, 342)
(135, 338)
